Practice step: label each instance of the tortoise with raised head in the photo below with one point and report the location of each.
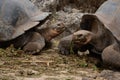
(18, 20)
(99, 33)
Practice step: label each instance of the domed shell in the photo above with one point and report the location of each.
(109, 14)
(18, 16)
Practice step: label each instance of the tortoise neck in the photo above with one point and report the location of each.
(46, 34)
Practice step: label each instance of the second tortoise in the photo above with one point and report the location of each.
(99, 33)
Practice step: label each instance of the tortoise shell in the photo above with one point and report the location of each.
(109, 14)
(18, 16)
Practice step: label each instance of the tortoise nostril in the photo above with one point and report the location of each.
(59, 24)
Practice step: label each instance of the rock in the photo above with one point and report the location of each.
(71, 20)
(27, 72)
(110, 75)
(57, 5)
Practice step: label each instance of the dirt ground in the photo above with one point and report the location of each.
(49, 65)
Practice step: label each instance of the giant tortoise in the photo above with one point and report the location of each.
(99, 33)
(18, 20)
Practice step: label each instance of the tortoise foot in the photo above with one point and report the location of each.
(35, 45)
(63, 50)
(33, 48)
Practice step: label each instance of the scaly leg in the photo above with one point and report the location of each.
(35, 45)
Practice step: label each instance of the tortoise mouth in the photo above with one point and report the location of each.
(56, 31)
(79, 40)
(60, 29)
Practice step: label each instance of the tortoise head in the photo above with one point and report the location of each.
(53, 30)
(82, 37)
(56, 29)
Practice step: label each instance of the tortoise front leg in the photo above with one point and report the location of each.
(35, 44)
(66, 46)
(111, 55)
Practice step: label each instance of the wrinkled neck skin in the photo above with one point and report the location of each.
(47, 34)
(102, 39)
